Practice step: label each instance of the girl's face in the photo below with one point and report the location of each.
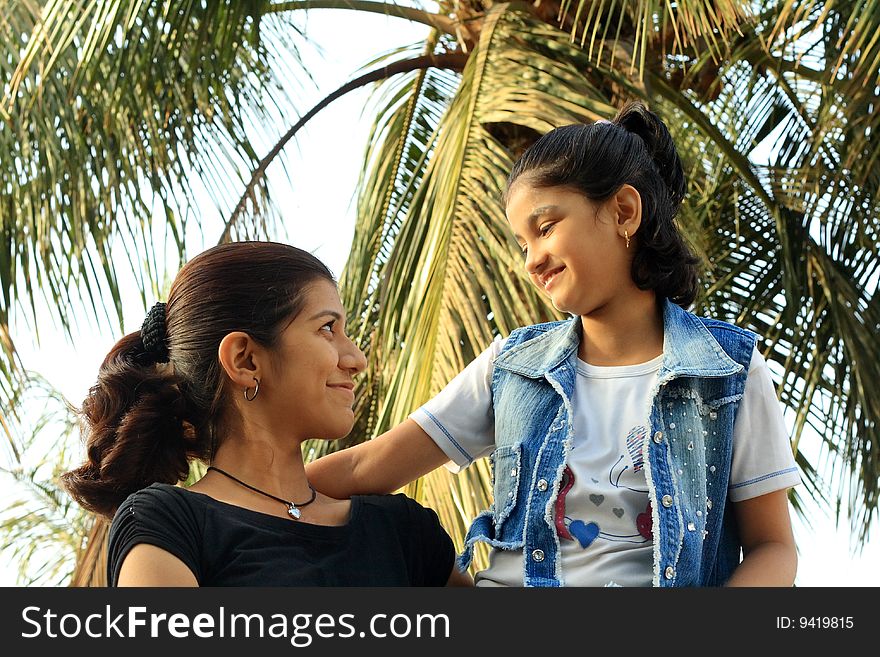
(315, 361)
(574, 248)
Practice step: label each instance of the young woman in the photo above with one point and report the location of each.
(246, 360)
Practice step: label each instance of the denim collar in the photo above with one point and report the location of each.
(688, 348)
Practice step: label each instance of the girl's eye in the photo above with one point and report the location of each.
(546, 228)
(329, 326)
(523, 249)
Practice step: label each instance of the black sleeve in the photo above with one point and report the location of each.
(432, 554)
(158, 516)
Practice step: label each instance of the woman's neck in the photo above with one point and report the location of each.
(623, 332)
(263, 465)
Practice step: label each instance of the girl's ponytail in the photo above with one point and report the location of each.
(638, 120)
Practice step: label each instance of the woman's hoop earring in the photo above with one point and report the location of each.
(626, 237)
(256, 390)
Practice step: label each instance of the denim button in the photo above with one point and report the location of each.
(538, 555)
(510, 494)
(542, 485)
(658, 437)
(672, 425)
(513, 472)
(669, 572)
(666, 501)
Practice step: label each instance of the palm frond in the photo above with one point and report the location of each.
(434, 270)
(109, 109)
(42, 530)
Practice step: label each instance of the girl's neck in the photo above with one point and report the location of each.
(623, 332)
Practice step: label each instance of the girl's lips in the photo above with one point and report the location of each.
(550, 277)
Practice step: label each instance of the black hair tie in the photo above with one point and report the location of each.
(153, 335)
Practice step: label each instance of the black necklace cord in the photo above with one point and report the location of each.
(293, 508)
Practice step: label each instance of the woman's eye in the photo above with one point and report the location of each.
(546, 228)
(329, 326)
(523, 249)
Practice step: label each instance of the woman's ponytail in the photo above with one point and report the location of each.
(137, 430)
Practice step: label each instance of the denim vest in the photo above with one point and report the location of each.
(687, 450)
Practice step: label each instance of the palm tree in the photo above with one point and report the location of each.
(772, 105)
(42, 528)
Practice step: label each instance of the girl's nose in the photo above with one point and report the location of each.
(534, 259)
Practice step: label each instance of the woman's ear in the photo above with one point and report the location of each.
(627, 205)
(239, 359)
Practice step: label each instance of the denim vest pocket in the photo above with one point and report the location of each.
(506, 463)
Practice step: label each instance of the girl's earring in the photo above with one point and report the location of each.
(626, 237)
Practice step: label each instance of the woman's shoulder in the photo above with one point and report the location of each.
(162, 515)
(158, 505)
(391, 502)
(397, 507)
(158, 493)
(415, 528)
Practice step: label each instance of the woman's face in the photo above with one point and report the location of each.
(573, 248)
(314, 363)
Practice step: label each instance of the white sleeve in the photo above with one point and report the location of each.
(762, 458)
(460, 419)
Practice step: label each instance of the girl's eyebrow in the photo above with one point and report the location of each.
(535, 215)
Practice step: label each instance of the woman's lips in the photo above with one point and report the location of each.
(345, 388)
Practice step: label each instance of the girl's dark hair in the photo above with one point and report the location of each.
(144, 419)
(597, 159)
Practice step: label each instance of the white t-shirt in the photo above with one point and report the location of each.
(603, 523)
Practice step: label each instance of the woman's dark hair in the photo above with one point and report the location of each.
(597, 159)
(145, 418)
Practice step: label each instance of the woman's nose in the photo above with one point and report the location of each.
(353, 358)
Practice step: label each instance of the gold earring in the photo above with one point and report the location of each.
(626, 237)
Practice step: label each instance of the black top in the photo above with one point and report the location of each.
(390, 540)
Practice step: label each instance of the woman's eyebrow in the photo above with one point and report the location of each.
(327, 313)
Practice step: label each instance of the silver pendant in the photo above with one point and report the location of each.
(293, 512)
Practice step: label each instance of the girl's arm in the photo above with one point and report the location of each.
(148, 565)
(458, 578)
(381, 465)
(769, 551)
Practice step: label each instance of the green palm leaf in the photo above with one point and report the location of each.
(108, 110)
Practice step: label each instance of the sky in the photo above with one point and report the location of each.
(316, 197)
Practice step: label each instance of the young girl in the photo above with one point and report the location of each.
(246, 360)
(632, 445)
